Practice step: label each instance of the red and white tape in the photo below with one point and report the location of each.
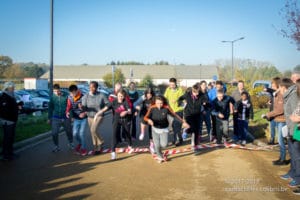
(188, 149)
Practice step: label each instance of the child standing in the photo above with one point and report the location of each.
(244, 111)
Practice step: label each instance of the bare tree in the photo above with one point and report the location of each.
(291, 13)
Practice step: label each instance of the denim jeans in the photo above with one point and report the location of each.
(281, 140)
(294, 150)
(273, 126)
(176, 125)
(206, 118)
(160, 140)
(79, 126)
(242, 129)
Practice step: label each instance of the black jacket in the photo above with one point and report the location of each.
(222, 107)
(194, 105)
(248, 112)
(8, 108)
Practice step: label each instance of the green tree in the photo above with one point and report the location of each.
(118, 77)
(33, 70)
(5, 62)
(14, 71)
(147, 81)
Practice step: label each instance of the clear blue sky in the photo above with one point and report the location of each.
(177, 31)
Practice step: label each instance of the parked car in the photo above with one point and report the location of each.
(27, 106)
(38, 102)
(39, 93)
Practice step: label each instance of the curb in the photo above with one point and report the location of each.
(30, 142)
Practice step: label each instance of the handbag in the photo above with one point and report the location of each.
(296, 135)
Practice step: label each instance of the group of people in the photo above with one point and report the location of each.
(183, 111)
(284, 116)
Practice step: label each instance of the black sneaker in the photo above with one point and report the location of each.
(180, 143)
(276, 161)
(280, 162)
(297, 191)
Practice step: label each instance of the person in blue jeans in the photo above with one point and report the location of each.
(277, 114)
(291, 102)
(74, 110)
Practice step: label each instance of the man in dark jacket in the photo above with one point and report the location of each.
(8, 118)
(221, 109)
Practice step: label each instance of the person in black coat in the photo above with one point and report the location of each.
(9, 109)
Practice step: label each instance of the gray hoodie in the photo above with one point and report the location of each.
(290, 102)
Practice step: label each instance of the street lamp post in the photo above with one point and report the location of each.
(232, 43)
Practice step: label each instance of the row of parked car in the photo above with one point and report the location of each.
(38, 100)
(33, 100)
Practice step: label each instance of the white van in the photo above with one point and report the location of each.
(264, 83)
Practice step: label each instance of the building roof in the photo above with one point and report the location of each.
(96, 72)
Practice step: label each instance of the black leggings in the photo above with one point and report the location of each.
(117, 124)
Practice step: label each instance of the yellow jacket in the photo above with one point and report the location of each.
(172, 96)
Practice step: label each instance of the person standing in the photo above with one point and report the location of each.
(295, 117)
(236, 95)
(172, 94)
(290, 100)
(74, 111)
(272, 92)
(9, 109)
(92, 102)
(244, 112)
(57, 117)
(133, 96)
(157, 118)
(277, 114)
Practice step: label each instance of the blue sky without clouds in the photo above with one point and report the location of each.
(177, 31)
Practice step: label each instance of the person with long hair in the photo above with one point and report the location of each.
(157, 118)
(142, 105)
(121, 119)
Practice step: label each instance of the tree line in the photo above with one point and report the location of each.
(9, 69)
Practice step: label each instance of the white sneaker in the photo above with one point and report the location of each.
(151, 147)
(141, 136)
(244, 142)
(113, 155)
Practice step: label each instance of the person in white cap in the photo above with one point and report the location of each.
(8, 118)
